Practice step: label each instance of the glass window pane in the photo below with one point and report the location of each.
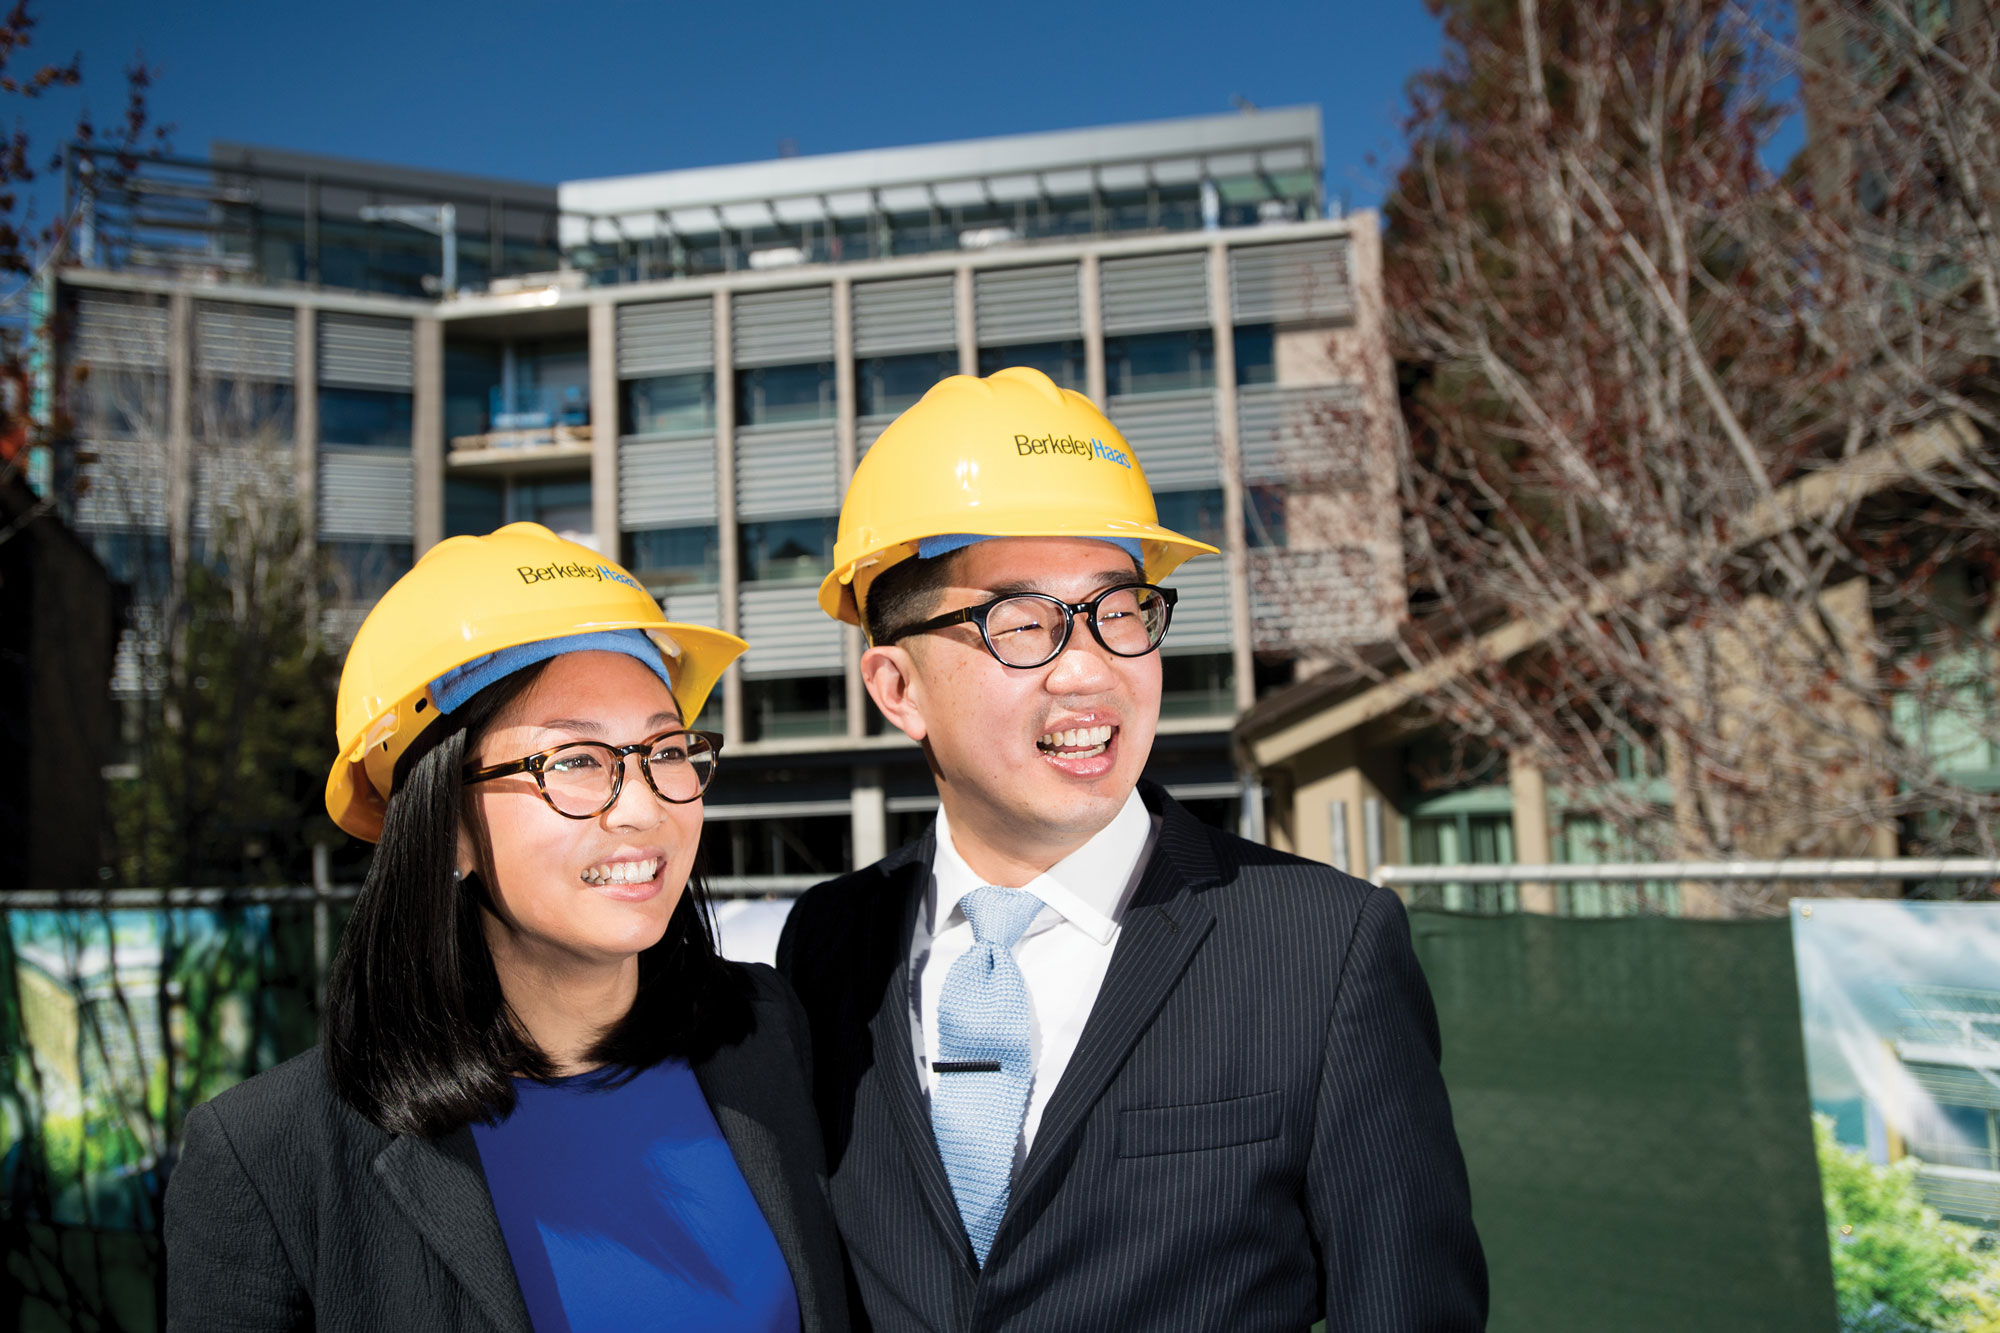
(788, 548)
(772, 395)
(887, 384)
(370, 417)
(1060, 361)
(671, 557)
(670, 403)
(1159, 362)
(1256, 354)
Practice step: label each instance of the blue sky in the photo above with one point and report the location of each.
(548, 92)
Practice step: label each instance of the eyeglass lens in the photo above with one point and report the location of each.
(580, 777)
(1025, 630)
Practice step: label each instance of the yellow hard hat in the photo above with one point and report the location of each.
(468, 598)
(1010, 455)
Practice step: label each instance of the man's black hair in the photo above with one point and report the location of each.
(418, 1036)
(905, 593)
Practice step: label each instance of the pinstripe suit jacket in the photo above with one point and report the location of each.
(1252, 1133)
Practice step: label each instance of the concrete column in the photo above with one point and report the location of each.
(180, 429)
(1092, 306)
(305, 420)
(968, 321)
(870, 816)
(427, 436)
(847, 409)
(729, 575)
(604, 427)
(1532, 843)
(1235, 547)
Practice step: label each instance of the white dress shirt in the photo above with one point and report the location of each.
(1063, 955)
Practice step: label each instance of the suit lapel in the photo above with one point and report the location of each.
(440, 1187)
(1164, 925)
(731, 1087)
(895, 1062)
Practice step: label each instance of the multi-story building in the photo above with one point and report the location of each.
(684, 367)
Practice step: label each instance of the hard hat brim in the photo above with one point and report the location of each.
(1165, 551)
(355, 799)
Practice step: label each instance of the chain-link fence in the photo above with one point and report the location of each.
(1630, 1094)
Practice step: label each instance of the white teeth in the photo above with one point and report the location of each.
(622, 872)
(1092, 738)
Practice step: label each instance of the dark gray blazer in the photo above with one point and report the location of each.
(1251, 1134)
(287, 1210)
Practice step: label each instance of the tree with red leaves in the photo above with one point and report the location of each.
(1700, 454)
(29, 244)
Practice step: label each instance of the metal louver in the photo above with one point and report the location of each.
(788, 634)
(665, 337)
(1201, 616)
(364, 493)
(786, 470)
(867, 430)
(363, 353)
(1294, 433)
(693, 608)
(664, 483)
(128, 488)
(1294, 280)
(1147, 293)
(129, 332)
(1017, 305)
(1174, 437)
(245, 341)
(238, 481)
(905, 315)
(781, 328)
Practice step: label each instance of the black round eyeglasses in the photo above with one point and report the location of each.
(1030, 629)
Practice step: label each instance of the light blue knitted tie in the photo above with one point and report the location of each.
(984, 1067)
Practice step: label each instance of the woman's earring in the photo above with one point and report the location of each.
(457, 875)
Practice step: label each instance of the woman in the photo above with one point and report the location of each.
(542, 1101)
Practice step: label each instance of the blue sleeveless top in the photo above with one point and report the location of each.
(623, 1209)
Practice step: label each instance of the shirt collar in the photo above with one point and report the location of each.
(1086, 888)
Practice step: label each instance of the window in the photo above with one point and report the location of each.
(137, 557)
(1159, 362)
(1256, 354)
(1196, 514)
(673, 557)
(1197, 684)
(1060, 361)
(369, 417)
(889, 384)
(245, 411)
(1474, 826)
(473, 506)
(787, 548)
(1264, 516)
(561, 506)
(774, 395)
(122, 404)
(471, 374)
(815, 845)
(790, 706)
(667, 404)
(362, 571)
(543, 383)
(1590, 839)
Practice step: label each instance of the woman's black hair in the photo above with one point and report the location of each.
(418, 1037)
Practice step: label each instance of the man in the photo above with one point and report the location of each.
(1082, 1062)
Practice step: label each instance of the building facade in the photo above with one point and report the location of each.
(683, 369)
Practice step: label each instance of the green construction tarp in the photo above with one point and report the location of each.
(1631, 1097)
